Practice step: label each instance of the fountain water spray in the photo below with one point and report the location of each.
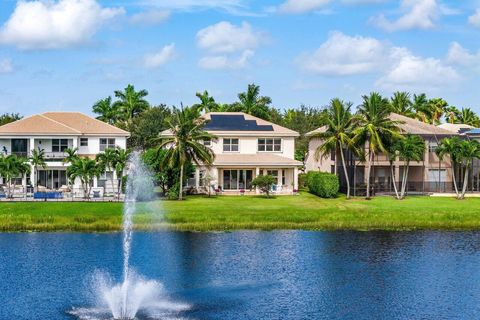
(124, 300)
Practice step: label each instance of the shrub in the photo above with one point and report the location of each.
(172, 193)
(264, 183)
(302, 180)
(322, 184)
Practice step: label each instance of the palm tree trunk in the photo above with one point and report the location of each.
(345, 171)
(35, 179)
(405, 179)
(465, 182)
(369, 167)
(454, 179)
(397, 196)
(180, 192)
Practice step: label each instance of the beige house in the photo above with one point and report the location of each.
(246, 147)
(53, 132)
(428, 175)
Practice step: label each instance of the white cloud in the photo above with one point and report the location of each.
(6, 66)
(55, 24)
(417, 14)
(150, 18)
(226, 62)
(344, 55)
(474, 19)
(460, 56)
(225, 37)
(410, 72)
(157, 59)
(302, 6)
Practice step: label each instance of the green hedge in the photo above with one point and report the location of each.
(322, 184)
(302, 180)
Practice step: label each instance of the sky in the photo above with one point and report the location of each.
(64, 55)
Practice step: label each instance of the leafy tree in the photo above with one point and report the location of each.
(37, 159)
(11, 167)
(130, 104)
(186, 142)
(374, 128)
(207, 102)
(85, 169)
(252, 103)
(411, 148)
(106, 111)
(147, 127)
(338, 135)
(9, 117)
(450, 147)
(400, 103)
(264, 183)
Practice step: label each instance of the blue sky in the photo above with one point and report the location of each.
(66, 54)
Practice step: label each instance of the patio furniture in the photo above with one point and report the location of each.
(48, 195)
(96, 194)
(218, 190)
(242, 192)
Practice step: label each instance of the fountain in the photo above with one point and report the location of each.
(124, 300)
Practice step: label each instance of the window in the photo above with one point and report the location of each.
(230, 145)
(237, 179)
(104, 179)
(107, 143)
(207, 142)
(83, 142)
(432, 146)
(284, 179)
(59, 145)
(269, 145)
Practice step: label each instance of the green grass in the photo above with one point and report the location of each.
(199, 213)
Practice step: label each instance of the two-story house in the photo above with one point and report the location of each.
(246, 147)
(53, 132)
(429, 175)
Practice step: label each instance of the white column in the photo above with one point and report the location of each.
(31, 146)
(33, 179)
(257, 173)
(197, 178)
(75, 143)
(295, 178)
(280, 176)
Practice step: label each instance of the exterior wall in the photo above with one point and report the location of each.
(324, 164)
(249, 145)
(94, 144)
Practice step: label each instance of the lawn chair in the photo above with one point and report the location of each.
(218, 191)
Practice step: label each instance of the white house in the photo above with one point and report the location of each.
(53, 132)
(246, 147)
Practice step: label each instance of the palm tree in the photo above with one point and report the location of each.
(452, 114)
(252, 103)
(25, 169)
(10, 168)
(431, 111)
(411, 148)
(207, 102)
(106, 111)
(374, 128)
(400, 103)
(108, 159)
(86, 170)
(37, 159)
(185, 144)
(469, 150)
(450, 147)
(420, 102)
(120, 165)
(467, 116)
(71, 155)
(130, 104)
(338, 135)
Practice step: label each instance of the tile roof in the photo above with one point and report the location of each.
(259, 159)
(408, 125)
(60, 123)
(247, 130)
(456, 127)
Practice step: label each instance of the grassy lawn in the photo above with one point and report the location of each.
(231, 213)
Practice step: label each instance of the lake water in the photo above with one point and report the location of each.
(253, 275)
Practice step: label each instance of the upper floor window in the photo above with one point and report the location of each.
(83, 142)
(59, 145)
(273, 145)
(107, 143)
(230, 145)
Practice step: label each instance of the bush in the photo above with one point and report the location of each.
(302, 180)
(264, 183)
(322, 184)
(172, 193)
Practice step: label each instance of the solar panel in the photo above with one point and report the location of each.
(235, 122)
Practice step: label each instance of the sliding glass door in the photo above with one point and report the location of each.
(237, 179)
(52, 179)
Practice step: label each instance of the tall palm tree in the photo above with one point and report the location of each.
(374, 128)
(185, 144)
(106, 111)
(71, 155)
(432, 111)
(130, 104)
(24, 169)
(450, 147)
(10, 167)
(207, 102)
(252, 103)
(402, 104)
(338, 135)
(467, 116)
(420, 102)
(469, 150)
(122, 157)
(85, 169)
(37, 159)
(108, 159)
(411, 148)
(452, 114)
